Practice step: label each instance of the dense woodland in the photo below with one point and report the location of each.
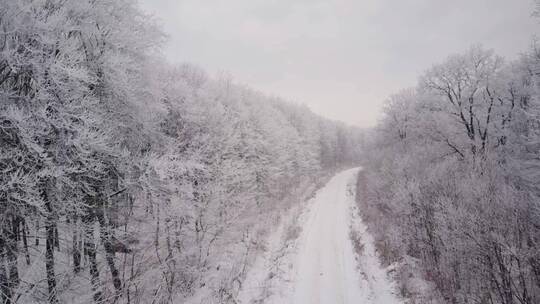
(126, 179)
(451, 186)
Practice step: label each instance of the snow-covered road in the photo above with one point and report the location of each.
(325, 269)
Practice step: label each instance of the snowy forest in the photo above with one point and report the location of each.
(126, 179)
(450, 188)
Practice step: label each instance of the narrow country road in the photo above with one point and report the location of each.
(328, 271)
(325, 269)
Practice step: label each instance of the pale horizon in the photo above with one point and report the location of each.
(340, 58)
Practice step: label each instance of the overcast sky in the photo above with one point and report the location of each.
(342, 58)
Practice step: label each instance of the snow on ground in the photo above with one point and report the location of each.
(324, 268)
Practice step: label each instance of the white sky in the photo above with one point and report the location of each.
(342, 58)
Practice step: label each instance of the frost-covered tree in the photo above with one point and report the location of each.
(449, 182)
(126, 179)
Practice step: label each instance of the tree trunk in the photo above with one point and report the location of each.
(49, 257)
(76, 248)
(49, 246)
(109, 250)
(36, 238)
(90, 250)
(5, 290)
(11, 248)
(25, 241)
(56, 237)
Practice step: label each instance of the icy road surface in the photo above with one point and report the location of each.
(325, 269)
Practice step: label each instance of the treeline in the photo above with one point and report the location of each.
(124, 179)
(451, 182)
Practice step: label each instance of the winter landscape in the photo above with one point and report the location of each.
(280, 152)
